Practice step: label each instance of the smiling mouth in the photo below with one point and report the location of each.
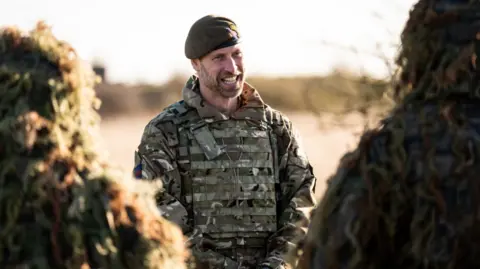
(230, 80)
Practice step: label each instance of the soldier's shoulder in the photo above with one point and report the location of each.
(390, 137)
(276, 117)
(172, 115)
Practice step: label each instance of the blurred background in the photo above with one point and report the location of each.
(326, 64)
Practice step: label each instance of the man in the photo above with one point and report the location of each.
(235, 175)
(61, 205)
(407, 197)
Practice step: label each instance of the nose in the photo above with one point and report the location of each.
(230, 65)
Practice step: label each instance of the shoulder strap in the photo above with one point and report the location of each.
(188, 117)
(206, 140)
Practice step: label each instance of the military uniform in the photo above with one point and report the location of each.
(407, 196)
(237, 185)
(61, 205)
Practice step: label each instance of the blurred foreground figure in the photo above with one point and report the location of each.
(409, 195)
(60, 205)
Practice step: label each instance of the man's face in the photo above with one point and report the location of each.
(222, 71)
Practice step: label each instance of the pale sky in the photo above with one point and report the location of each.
(144, 40)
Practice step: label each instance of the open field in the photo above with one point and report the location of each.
(324, 146)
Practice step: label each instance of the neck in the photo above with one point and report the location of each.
(223, 104)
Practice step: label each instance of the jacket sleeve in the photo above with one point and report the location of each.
(154, 160)
(296, 198)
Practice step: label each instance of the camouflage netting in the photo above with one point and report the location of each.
(437, 56)
(408, 196)
(61, 206)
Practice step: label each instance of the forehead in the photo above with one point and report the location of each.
(228, 50)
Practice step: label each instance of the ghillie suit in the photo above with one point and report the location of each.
(408, 195)
(61, 206)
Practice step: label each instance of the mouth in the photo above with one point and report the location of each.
(231, 80)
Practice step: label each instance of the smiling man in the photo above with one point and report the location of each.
(236, 177)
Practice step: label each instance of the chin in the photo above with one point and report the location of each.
(235, 94)
(232, 93)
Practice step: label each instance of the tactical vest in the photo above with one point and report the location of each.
(229, 177)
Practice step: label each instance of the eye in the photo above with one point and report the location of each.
(238, 55)
(217, 58)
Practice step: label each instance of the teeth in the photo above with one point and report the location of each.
(230, 79)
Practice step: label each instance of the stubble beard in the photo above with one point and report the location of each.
(215, 84)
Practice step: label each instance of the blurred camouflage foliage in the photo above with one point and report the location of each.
(61, 204)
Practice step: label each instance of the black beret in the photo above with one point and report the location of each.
(210, 33)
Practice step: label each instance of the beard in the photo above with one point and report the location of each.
(224, 84)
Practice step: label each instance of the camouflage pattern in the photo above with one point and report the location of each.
(407, 196)
(61, 205)
(236, 184)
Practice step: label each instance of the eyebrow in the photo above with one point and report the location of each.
(218, 54)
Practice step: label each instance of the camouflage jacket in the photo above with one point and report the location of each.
(407, 197)
(158, 156)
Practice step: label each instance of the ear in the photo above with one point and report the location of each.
(195, 64)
